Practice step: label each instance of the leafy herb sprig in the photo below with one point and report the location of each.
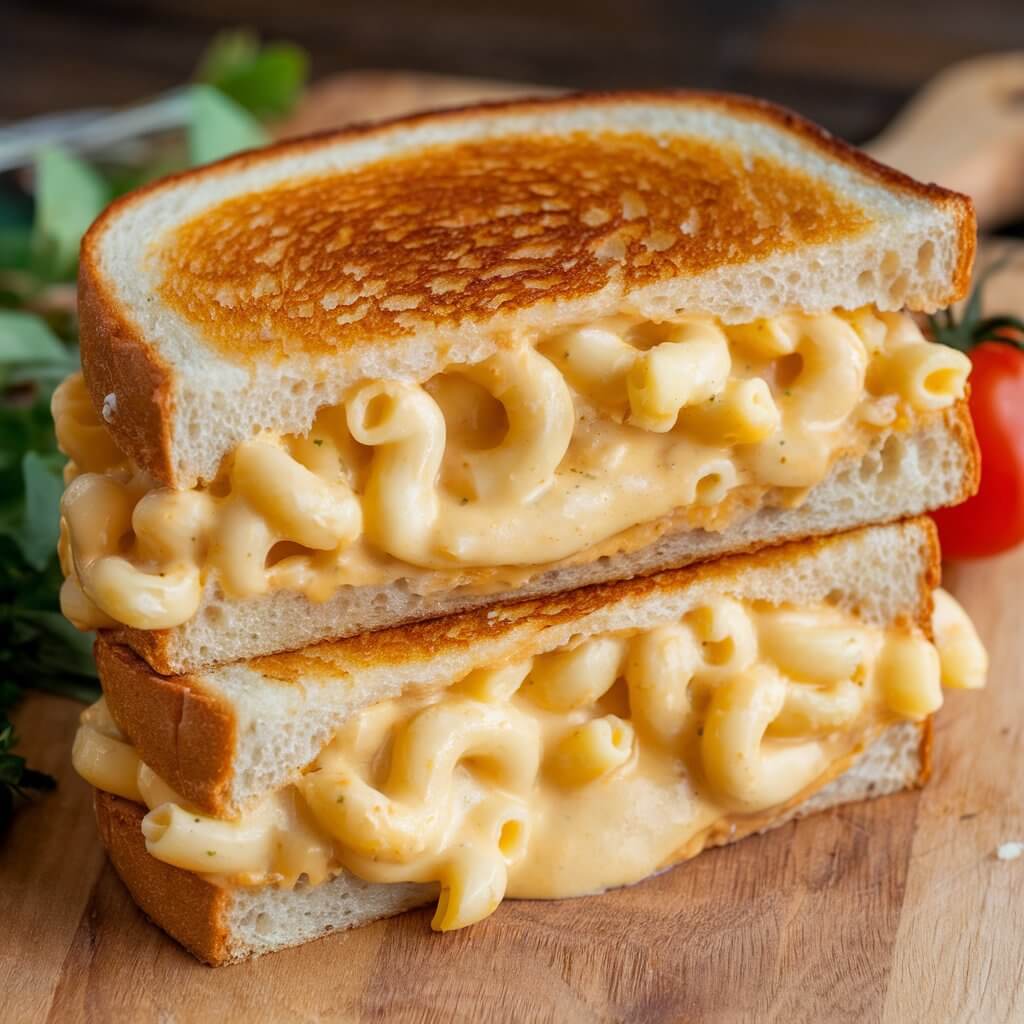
(239, 85)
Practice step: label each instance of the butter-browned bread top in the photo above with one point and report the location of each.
(459, 231)
(249, 294)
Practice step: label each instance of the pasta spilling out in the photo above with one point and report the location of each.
(574, 771)
(557, 450)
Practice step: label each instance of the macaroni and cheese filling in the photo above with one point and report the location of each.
(573, 771)
(559, 449)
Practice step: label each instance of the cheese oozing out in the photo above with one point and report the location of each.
(558, 449)
(573, 771)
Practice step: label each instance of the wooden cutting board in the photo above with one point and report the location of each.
(895, 910)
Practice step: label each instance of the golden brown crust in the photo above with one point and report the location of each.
(452, 233)
(118, 359)
(153, 646)
(961, 429)
(186, 906)
(932, 576)
(185, 735)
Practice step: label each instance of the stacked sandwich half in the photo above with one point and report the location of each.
(509, 502)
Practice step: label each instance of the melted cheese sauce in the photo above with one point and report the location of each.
(574, 771)
(555, 451)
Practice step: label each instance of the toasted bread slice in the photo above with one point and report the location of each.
(251, 293)
(222, 925)
(903, 474)
(226, 737)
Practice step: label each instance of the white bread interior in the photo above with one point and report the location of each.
(882, 574)
(901, 475)
(914, 253)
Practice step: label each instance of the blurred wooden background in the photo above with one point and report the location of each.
(849, 65)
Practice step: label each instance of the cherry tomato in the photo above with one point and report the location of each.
(993, 520)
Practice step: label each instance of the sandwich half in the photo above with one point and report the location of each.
(397, 372)
(544, 749)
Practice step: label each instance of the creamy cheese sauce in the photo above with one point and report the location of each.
(574, 771)
(555, 451)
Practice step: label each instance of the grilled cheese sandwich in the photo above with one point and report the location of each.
(548, 369)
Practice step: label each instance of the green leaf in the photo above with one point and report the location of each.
(69, 196)
(22, 429)
(227, 52)
(15, 246)
(40, 525)
(71, 687)
(70, 649)
(10, 694)
(271, 85)
(265, 81)
(26, 338)
(220, 127)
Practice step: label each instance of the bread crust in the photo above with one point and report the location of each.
(188, 736)
(117, 358)
(157, 647)
(194, 911)
(186, 906)
(961, 428)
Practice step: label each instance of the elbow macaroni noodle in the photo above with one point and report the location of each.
(535, 456)
(572, 771)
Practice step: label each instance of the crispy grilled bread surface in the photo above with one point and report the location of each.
(456, 232)
(248, 294)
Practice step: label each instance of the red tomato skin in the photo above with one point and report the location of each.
(992, 520)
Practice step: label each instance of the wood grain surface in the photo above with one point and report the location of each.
(895, 910)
